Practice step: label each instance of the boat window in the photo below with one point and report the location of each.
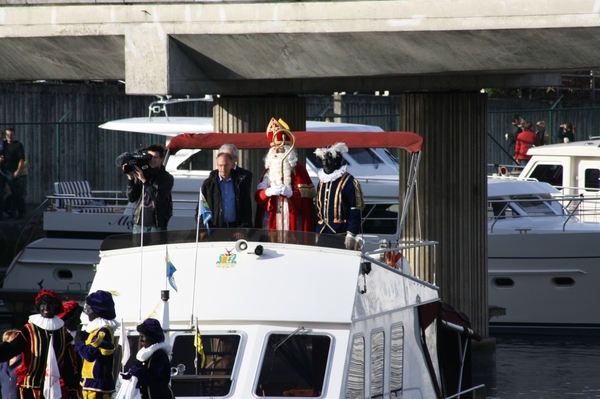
(592, 179)
(201, 160)
(293, 365)
(551, 174)
(380, 218)
(393, 155)
(377, 357)
(397, 358)
(355, 387)
(533, 206)
(364, 156)
(500, 210)
(203, 371)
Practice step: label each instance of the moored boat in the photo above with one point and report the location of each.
(543, 262)
(289, 313)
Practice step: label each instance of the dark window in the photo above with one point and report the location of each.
(592, 179)
(380, 219)
(551, 174)
(503, 282)
(364, 156)
(294, 365)
(563, 281)
(207, 371)
(201, 160)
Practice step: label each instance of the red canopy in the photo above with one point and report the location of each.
(411, 142)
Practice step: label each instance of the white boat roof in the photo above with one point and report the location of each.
(175, 125)
(587, 148)
(502, 187)
(216, 281)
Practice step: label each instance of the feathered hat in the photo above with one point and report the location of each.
(52, 295)
(68, 308)
(102, 304)
(333, 150)
(278, 133)
(152, 327)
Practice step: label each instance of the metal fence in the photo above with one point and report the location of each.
(58, 125)
(586, 121)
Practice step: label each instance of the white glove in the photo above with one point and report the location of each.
(271, 191)
(286, 191)
(350, 241)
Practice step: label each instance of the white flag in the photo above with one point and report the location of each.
(52, 377)
(124, 342)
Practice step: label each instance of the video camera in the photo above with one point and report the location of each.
(128, 160)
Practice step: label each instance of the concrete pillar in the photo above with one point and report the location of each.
(146, 59)
(252, 114)
(452, 194)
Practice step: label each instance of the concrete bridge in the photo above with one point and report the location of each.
(248, 48)
(435, 55)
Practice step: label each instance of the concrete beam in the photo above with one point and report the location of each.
(165, 47)
(393, 84)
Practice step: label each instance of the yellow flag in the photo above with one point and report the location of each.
(200, 347)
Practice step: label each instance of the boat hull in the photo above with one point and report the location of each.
(544, 281)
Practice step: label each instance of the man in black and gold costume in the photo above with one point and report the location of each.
(339, 197)
(33, 342)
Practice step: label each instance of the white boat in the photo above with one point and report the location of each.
(284, 314)
(78, 219)
(573, 168)
(543, 262)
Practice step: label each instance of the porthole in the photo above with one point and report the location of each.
(63, 274)
(563, 281)
(503, 282)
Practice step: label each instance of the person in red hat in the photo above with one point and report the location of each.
(71, 315)
(33, 343)
(285, 194)
(96, 346)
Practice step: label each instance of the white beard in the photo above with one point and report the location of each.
(273, 163)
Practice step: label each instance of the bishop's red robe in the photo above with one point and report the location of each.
(300, 210)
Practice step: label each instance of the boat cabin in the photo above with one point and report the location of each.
(573, 168)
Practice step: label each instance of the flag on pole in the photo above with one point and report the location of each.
(170, 271)
(124, 342)
(51, 387)
(205, 212)
(200, 348)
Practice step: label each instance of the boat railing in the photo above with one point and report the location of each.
(414, 258)
(115, 203)
(476, 392)
(508, 170)
(575, 209)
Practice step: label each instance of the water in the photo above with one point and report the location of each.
(546, 367)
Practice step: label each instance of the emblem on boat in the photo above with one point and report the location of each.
(227, 260)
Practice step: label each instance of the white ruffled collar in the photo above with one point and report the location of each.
(336, 174)
(45, 323)
(145, 353)
(99, 322)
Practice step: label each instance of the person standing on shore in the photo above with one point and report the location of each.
(12, 159)
(525, 140)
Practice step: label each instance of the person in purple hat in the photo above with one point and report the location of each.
(95, 346)
(153, 370)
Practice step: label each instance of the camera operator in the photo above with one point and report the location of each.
(152, 188)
